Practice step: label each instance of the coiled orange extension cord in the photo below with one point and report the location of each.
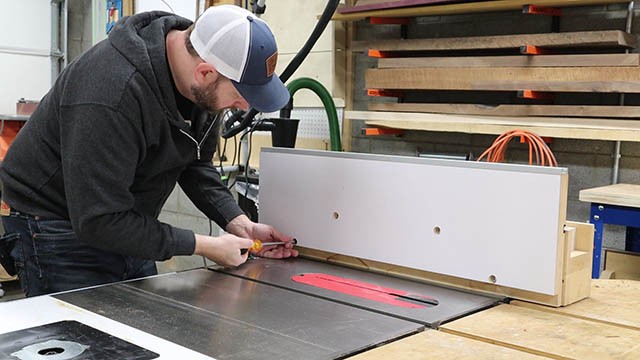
(537, 148)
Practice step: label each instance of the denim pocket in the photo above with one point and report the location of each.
(7, 241)
(53, 237)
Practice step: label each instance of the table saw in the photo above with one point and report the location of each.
(255, 311)
(362, 283)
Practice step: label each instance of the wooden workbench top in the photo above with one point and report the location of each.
(604, 326)
(433, 344)
(618, 194)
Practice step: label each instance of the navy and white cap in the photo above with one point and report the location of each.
(242, 48)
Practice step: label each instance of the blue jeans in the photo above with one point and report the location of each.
(48, 257)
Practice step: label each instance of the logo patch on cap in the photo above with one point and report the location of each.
(271, 64)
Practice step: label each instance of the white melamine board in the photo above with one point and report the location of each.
(494, 219)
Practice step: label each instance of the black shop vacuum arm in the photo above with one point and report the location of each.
(240, 120)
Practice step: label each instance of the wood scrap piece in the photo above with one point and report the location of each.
(568, 128)
(621, 264)
(432, 344)
(611, 302)
(606, 38)
(598, 111)
(587, 79)
(617, 194)
(548, 334)
(369, 5)
(467, 8)
(580, 60)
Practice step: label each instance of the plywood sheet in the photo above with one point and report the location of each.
(548, 334)
(612, 302)
(319, 66)
(606, 38)
(617, 194)
(586, 79)
(599, 111)
(433, 344)
(581, 60)
(292, 35)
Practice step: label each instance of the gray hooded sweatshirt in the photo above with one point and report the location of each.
(107, 144)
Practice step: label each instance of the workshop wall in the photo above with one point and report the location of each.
(590, 163)
(25, 48)
(80, 29)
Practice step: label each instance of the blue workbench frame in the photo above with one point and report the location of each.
(609, 214)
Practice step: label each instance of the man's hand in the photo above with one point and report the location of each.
(223, 250)
(243, 227)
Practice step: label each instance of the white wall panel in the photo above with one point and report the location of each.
(25, 46)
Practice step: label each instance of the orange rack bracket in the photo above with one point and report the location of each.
(541, 10)
(534, 50)
(538, 95)
(388, 93)
(379, 54)
(376, 20)
(373, 131)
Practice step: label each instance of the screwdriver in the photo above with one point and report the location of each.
(257, 245)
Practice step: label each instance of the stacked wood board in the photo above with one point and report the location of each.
(458, 8)
(418, 65)
(575, 73)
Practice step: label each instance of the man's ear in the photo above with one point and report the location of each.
(205, 74)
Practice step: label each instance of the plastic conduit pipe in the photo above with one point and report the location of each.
(327, 102)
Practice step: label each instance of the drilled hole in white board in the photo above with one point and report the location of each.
(492, 279)
(436, 230)
(336, 215)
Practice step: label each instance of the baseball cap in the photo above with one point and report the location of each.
(242, 48)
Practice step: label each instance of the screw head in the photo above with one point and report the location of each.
(600, 207)
(596, 217)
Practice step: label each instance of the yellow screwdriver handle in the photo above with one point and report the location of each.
(257, 245)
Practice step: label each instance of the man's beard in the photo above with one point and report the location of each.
(206, 97)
